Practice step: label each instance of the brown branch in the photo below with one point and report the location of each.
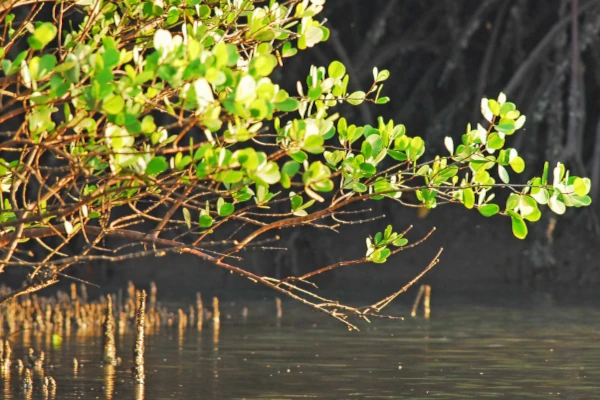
(20, 3)
(385, 302)
(361, 260)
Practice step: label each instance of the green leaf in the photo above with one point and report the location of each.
(388, 231)
(226, 209)
(494, 141)
(503, 174)
(113, 104)
(44, 33)
(315, 93)
(494, 107)
(313, 144)
(377, 238)
(296, 202)
(517, 164)
(366, 149)
(368, 168)
(288, 105)
(206, 221)
(230, 176)
(246, 89)
(556, 204)
(534, 216)
(520, 122)
(488, 210)
(468, 198)
(264, 64)
(446, 173)
(581, 201)
(382, 76)
(512, 201)
(359, 187)
(110, 57)
(336, 70)
(156, 166)
(187, 217)
(356, 98)
(288, 50)
(269, 173)
(507, 107)
(290, 168)
(545, 173)
(519, 227)
(299, 156)
(580, 187)
(400, 242)
(313, 36)
(505, 127)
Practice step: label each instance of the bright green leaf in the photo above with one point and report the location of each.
(487, 210)
(156, 166)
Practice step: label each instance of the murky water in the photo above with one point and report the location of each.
(463, 351)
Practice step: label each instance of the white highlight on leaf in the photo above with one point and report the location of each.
(313, 36)
(163, 134)
(482, 133)
(311, 127)
(118, 138)
(68, 227)
(485, 110)
(556, 172)
(204, 93)
(556, 205)
(162, 41)
(503, 174)
(520, 122)
(246, 90)
(541, 197)
(501, 98)
(25, 74)
(525, 207)
(449, 143)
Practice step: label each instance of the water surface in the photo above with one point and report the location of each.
(464, 351)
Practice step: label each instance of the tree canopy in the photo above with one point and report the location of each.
(159, 123)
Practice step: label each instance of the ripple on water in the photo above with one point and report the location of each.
(462, 352)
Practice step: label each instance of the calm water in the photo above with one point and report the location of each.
(463, 351)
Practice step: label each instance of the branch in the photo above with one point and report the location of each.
(11, 5)
(329, 307)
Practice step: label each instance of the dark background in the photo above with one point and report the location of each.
(444, 55)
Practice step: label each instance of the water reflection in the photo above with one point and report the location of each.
(109, 381)
(5, 375)
(140, 389)
(465, 352)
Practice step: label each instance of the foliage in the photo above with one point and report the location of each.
(167, 109)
